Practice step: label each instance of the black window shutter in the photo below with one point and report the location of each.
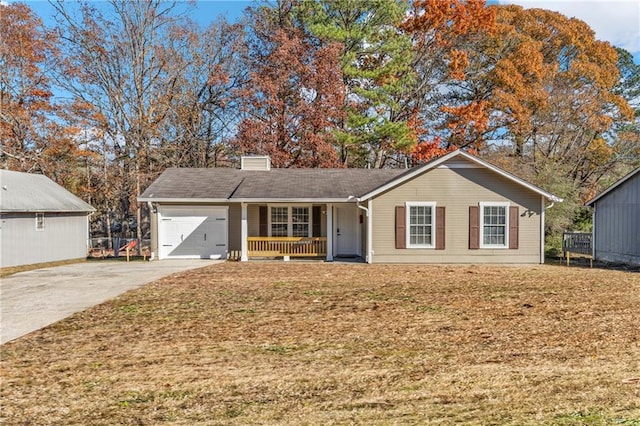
(264, 221)
(514, 216)
(440, 227)
(474, 227)
(401, 228)
(317, 225)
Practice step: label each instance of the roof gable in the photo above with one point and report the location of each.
(27, 192)
(457, 158)
(613, 187)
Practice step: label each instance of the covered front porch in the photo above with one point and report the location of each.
(281, 230)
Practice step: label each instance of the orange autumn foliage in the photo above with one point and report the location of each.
(467, 122)
(447, 36)
(426, 151)
(445, 25)
(429, 150)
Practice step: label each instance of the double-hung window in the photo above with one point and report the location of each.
(299, 221)
(421, 219)
(39, 221)
(279, 221)
(494, 225)
(290, 221)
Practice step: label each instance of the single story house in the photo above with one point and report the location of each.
(40, 221)
(616, 221)
(455, 209)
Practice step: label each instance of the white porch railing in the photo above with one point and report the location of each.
(287, 246)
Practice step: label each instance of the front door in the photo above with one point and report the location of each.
(347, 231)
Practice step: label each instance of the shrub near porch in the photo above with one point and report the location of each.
(316, 343)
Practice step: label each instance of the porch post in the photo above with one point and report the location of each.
(244, 234)
(542, 208)
(369, 258)
(329, 232)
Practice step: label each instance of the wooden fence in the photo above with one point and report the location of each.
(117, 246)
(579, 243)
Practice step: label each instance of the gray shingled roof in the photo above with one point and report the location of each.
(26, 192)
(274, 184)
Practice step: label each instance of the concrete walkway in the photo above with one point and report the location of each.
(34, 299)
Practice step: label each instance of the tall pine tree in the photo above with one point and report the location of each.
(376, 63)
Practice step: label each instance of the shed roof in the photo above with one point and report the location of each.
(27, 192)
(613, 187)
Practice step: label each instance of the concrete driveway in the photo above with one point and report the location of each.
(33, 299)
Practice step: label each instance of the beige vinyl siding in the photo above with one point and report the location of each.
(253, 220)
(323, 220)
(617, 224)
(457, 187)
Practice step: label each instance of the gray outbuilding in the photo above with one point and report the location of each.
(616, 221)
(40, 221)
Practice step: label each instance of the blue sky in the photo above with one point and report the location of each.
(615, 21)
(204, 11)
(208, 10)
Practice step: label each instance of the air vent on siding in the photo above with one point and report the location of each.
(261, 162)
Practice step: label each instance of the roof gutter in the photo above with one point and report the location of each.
(239, 200)
(89, 211)
(366, 210)
(182, 200)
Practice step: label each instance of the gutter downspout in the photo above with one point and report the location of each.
(368, 257)
(366, 210)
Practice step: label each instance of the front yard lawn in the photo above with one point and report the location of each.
(314, 343)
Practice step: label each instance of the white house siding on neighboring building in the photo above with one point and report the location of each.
(63, 237)
(61, 233)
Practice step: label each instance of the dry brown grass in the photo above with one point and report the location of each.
(10, 270)
(276, 343)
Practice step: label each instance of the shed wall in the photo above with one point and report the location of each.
(617, 224)
(457, 187)
(64, 237)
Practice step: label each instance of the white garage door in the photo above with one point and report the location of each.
(192, 232)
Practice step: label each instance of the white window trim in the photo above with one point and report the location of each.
(270, 233)
(408, 206)
(38, 228)
(289, 208)
(506, 225)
